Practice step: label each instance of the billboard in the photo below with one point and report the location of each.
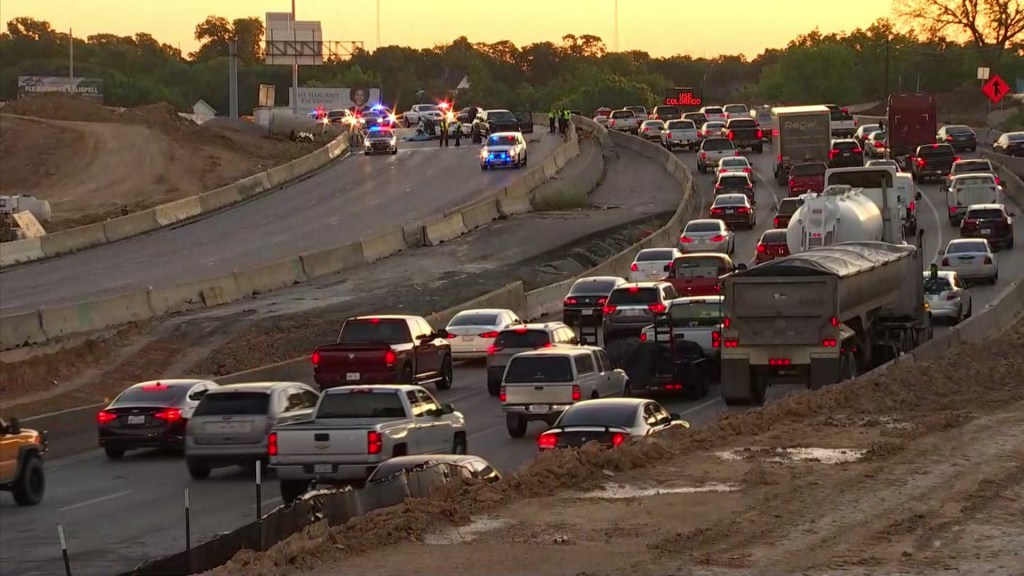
(354, 99)
(90, 88)
(687, 99)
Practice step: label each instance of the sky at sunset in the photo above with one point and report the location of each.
(661, 27)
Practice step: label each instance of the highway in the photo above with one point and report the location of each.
(350, 199)
(139, 500)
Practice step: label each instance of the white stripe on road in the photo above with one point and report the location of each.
(94, 501)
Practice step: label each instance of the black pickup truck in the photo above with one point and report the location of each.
(932, 161)
(744, 133)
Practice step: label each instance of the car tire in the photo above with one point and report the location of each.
(407, 376)
(516, 425)
(114, 453)
(483, 167)
(627, 390)
(1009, 244)
(30, 487)
(197, 469)
(759, 148)
(526, 159)
(970, 310)
(395, 151)
(292, 490)
(494, 387)
(459, 445)
(959, 315)
(447, 375)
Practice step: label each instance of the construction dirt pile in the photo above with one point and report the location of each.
(918, 470)
(92, 163)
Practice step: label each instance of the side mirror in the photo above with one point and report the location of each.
(442, 333)
(197, 396)
(741, 266)
(667, 268)
(918, 196)
(675, 416)
(14, 427)
(447, 409)
(584, 342)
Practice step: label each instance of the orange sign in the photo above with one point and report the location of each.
(996, 88)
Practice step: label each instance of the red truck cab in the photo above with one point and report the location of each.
(390, 349)
(700, 273)
(807, 177)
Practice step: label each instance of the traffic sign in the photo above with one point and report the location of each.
(996, 88)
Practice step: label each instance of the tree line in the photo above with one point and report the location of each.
(579, 71)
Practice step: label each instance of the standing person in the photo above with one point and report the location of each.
(457, 126)
(551, 119)
(444, 133)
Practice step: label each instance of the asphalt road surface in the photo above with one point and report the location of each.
(350, 199)
(139, 500)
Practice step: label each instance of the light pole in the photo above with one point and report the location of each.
(378, 24)
(615, 35)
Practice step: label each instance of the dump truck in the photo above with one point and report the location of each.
(821, 317)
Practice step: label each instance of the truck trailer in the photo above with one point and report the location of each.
(912, 121)
(821, 317)
(800, 134)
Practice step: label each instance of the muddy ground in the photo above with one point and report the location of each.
(919, 470)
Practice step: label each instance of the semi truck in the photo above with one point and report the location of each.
(800, 134)
(912, 121)
(821, 316)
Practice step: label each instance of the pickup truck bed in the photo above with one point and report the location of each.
(744, 133)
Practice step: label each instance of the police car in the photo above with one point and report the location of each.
(503, 149)
(380, 140)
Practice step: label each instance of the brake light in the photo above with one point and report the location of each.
(577, 394)
(718, 238)
(935, 146)
(521, 330)
(612, 122)
(548, 345)
(686, 240)
(748, 171)
(634, 289)
(502, 396)
(736, 153)
(390, 358)
(775, 222)
(570, 301)
(601, 301)
(945, 261)
(726, 322)
(952, 209)
(779, 362)
(731, 135)
(374, 320)
(835, 322)
(489, 335)
(671, 265)
(912, 206)
(657, 308)
(716, 339)
(988, 259)
(718, 186)
(668, 135)
(152, 387)
(105, 417)
(451, 336)
(634, 267)
(732, 342)
(760, 134)
(743, 210)
(761, 249)
(921, 162)
(829, 343)
(374, 442)
(832, 154)
(618, 438)
(646, 129)
(643, 337)
(315, 358)
(170, 415)
(703, 155)
(547, 441)
(879, 144)
(717, 211)
(858, 151)
(949, 138)
(608, 309)
(272, 444)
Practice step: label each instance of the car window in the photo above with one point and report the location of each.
(590, 414)
(936, 286)
(474, 319)
(622, 114)
(584, 364)
(966, 247)
(985, 214)
(375, 331)
(588, 286)
(159, 393)
(429, 403)
(655, 255)
(414, 403)
(935, 151)
(633, 295)
(696, 314)
(698, 267)
(788, 206)
(681, 125)
(197, 392)
(704, 226)
(844, 145)
(233, 404)
(566, 336)
(717, 144)
(742, 123)
(502, 141)
(730, 200)
(650, 415)
(713, 110)
(519, 338)
(733, 181)
(357, 404)
(604, 360)
(529, 369)
(295, 399)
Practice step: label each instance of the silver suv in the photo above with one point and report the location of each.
(711, 151)
(633, 306)
(231, 424)
(512, 341)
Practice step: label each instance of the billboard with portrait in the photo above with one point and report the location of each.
(352, 99)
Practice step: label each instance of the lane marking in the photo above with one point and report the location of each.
(938, 224)
(95, 501)
(701, 406)
(482, 432)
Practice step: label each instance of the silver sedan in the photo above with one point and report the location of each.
(947, 296)
(608, 421)
(971, 259)
(471, 332)
(707, 236)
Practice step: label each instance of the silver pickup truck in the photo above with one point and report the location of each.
(356, 428)
(711, 151)
(694, 318)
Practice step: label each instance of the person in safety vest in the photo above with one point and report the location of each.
(457, 128)
(563, 122)
(551, 120)
(444, 133)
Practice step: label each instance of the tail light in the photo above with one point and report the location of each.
(489, 335)
(703, 155)
(858, 151)
(390, 358)
(718, 186)
(845, 111)
(779, 362)
(760, 134)
(521, 330)
(743, 210)
(921, 162)
(829, 343)
(775, 222)
(612, 122)
(315, 358)
(716, 339)
(502, 395)
(547, 441)
(105, 417)
(730, 135)
(374, 442)
(717, 211)
(492, 350)
(945, 261)
(646, 129)
(778, 159)
(761, 249)
(657, 308)
(950, 296)
(736, 153)
(272, 444)
(169, 415)
(686, 240)
(608, 309)
(832, 154)
(451, 336)
(570, 302)
(643, 337)
(988, 259)
(834, 321)
(601, 301)
(949, 138)
(748, 171)
(732, 343)
(912, 206)
(577, 394)
(718, 238)
(726, 322)
(879, 144)
(668, 135)
(952, 209)
(618, 438)
(957, 159)
(634, 267)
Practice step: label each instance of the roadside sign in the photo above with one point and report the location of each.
(996, 88)
(984, 73)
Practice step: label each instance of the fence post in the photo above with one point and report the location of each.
(64, 550)
(188, 531)
(259, 501)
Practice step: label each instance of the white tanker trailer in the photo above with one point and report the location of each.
(821, 316)
(838, 214)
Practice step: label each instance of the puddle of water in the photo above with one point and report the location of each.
(621, 491)
(468, 533)
(822, 455)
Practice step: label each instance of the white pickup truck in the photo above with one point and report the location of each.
(624, 121)
(420, 112)
(680, 133)
(967, 189)
(356, 428)
(694, 318)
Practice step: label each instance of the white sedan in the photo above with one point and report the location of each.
(735, 164)
(971, 259)
(471, 332)
(649, 264)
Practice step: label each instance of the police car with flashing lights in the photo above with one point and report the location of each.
(380, 140)
(503, 149)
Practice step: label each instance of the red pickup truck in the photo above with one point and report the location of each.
(700, 273)
(807, 177)
(389, 349)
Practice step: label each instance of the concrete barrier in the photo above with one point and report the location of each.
(480, 214)
(130, 225)
(550, 168)
(21, 329)
(281, 174)
(509, 297)
(98, 314)
(20, 251)
(220, 198)
(269, 277)
(415, 235)
(179, 210)
(221, 290)
(72, 240)
(332, 260)
(180, 298)
(444, 229)
(517, 188)
(255, 184)
(514, 205)
(383, 245)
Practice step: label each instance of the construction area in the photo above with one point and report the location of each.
(919, 470)
(92, 162)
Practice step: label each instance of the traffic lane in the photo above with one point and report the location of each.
(351, 199)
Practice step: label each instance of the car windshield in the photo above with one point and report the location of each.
(935, 151)
(474, 319)
(681, 125)
(742, 123)
(233, 404)
(158, 393)
(619, 114)
(717, 144)
(730, 200)
(733, 181)
(704, 226)
(985, 214)
(375, 331)
(967, 167)
(633, 295)
(734, 163)
(980, 180)
(788, 206)
(774, 237)
(655, 255)
(844, 145)
(520, 338)
(714, 125)
(862, 178)
(698, 267)
(696, 314)
(736, 109)
(697, 117)
(663, 110)
(587, 286)
(429, 108)
(654, 124)
(713, 111)
(501, 116)
(381, 134)
(356, 404)
(935, 286)
(1015, 137)
(971, 247)
(869, 128)
(809, 169)
(599, 414)
(531, 369)
(958, 130)
(502, 141)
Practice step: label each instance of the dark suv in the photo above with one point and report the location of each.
(991, 222)
(633, 306)
(512, 341)
(586, 299)
(787, 208)
(666, 113)
(491, 122)
(845, 153)
(932, 161)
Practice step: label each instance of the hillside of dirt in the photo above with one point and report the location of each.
(919, 470)
(92, 163)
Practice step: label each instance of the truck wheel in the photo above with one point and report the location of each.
(758, 390)
(407, 376)
(30, 486)
(516, 425)
(197, 469)
(759, 148)
(114, 453)
(459, 445)
(493, 387)
(292, 490)
(445, 383)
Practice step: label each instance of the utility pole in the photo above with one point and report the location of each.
(378, 24)
(71, 55)
(886, 95)
(233, 79)
(295, 71)
(615, 36)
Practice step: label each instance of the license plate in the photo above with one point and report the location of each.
(539, 407)
(730, 211)
(352, 376)
(467, 338)
(587, 312)
(633, 312)
(986, 230)
(227, 427)
(322, 468)
(137, 419)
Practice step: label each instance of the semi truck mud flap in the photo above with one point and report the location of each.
(824, 371)
(736, 390)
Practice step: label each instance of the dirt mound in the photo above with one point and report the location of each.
(925, 399)
(61, 107)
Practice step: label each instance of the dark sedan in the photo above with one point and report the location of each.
(609, 422)
(150, 415)
(1011, 144)
(472, 467)
(586, 299)
(960, 137)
